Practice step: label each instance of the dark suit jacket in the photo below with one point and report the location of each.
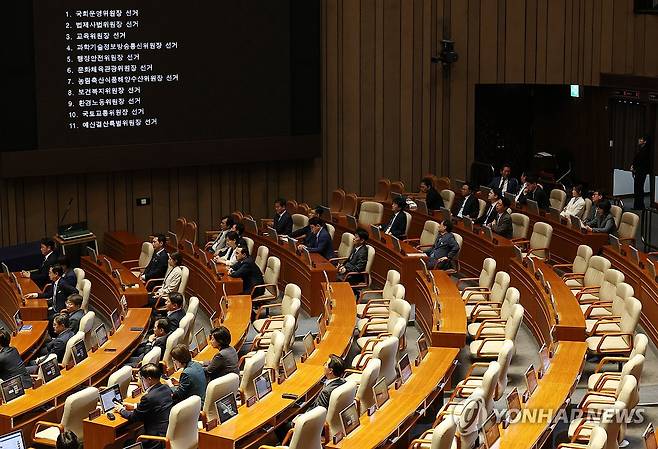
(74, 320)
(471, 207)
(433, 199)
(70, 278)
(537, 195)
(192, 382)
(11, 365)
(503, 225)
(153, 410)
(512, 184)
(223, 363)
(357, 260)
(283, 224)
(444, 246)
(323, 398)
(250, 274)
(58, 344)
(157, 267)
(321, 243)
(398, 225)
(174, 320)
(63, 292)
(489, 215)
(603, 223)
(40, 277)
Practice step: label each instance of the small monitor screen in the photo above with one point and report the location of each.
(447, 215)
(396, 244)
(201, 339)
(271, 232)
(351, 221)
(544, 357)
(531, 379)
(18, 320)
(79, 351)
(101, 335)
(226, 407)
(92, 253)
(172, 237)
(322, 326)
(349, 416)
(135, 446)
(309, 344)
(635, 255)
(108, 264)
(263, 385)
(15, 279)
(109, 397)
(513, 404)
(115, 317)
(13, 440)
(533, 207)
(404, 368)
(375, 231)
(649, 437)
(12, 389)
(289, 364)
(422, 346)
(49, 370)
(491, 431)
(380, 391)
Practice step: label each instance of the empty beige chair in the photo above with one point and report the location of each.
(470, 382)
(616, 212)
(307, 431)
(482, 207)
(598, 440)
(79, 277)
(76, 408)
(250, 244)
(299, 221)
(406, 229)
(186, 325)
(604, 292)
(153, 356)
(520, 226)
(640, 343)
(580, 430)
(619, 341)
(485, 311)
(68, 355)
(386, 351)
(539, 243)
(490, 347)
(606, 308)
(173, 339)
(471, 413)
(274, 353)
(580, 262)
(608, 381)
(193, 306)
(456, 268)
(557, 199)
(340, 398)
(261, 257)
(427, 237)
(290, 304)
(253, 367)
(494, 325)
(371, 213)
(448, 197)
(366, 380)
(626, 322)
(262, 340)
(182, 417)
(331, 230)
(216, 389)
(345, 247)
(626, 392)
(366, 273)
(270, 281)
(488, 384)
(441, 437)
(494, 295)
(588, 208)
(87, 326)
(137, 265)
(395, 324)
(40, 360)
(593, 276)
(380, 306)
(86, 293)
(392, 279)
(121, 377)
(627, 229)
(484, 281)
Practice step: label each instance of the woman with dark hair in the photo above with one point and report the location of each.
(641, 168)
(172, 278)
(226, 359)
(603, 221)
(192, 380)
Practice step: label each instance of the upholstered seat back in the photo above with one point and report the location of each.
(76, 408)
(87, 326)
(430, 233)
(173, 339)
(514, 322)
(608, 289)
(146, 254)
(595, 270)
(581, 261)
(340, 398)
(299, 221)
(371, 213)
(557, 199)
(261, 257)
(121, 377)
(520, 225)
(183, 417)
(79, 277)
(386, 351)
(253, 367)
(443, 435)
(346, 245)
(489, 383)
(369, 378)
(68, 356)
(86, 293)
(616, 212)
(448, 197)
(500, 286)
(488, 273)
(512, 297)
(482, 207)
(541, 238)
(392, 279)
(275, 350)
(308, 429)
(504, 360)
(218, 388)
(627, 228)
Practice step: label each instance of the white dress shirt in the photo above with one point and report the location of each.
(575, 206)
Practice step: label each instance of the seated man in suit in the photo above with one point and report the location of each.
(158, 339)
(490, 214)
(469, 206)
(576, 205)
(432, 197)
(306, 231)
(357, 260)
(219, 243)
(11, 363)
(171, 280)
(505, 182)
(74, 311)
(248, 271)
(56, 292)
(192, 380)
(522, 186)
(68, 275)
(534, 192)
(157, 266)
(175, 311)
(320, 240)
(597, 196)
(333, 372)
(502, 222)
(154, 406)
(604, 221)
(445, 248)
(40, 276)
(229, 255)
(55, 346)
(282, 222)
(397, 225)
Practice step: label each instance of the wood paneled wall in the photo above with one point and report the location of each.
(386, 109)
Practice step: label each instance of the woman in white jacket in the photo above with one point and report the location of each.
(576, 205)
(172, 278)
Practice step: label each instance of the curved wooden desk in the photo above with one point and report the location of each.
(28, 342)
(446, 327)
(31, 309)
(106, 290)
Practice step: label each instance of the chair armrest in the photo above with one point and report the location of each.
(265, 286)
(568, 276)
(369, 292)
(154, 438)
(563, 265)
(535, 250)
(486, 293)
(598, 386)
(338, 259)
(615, 350)
(520, 241)
(352, 371)
(459, 281)
(493, 307)
(605, 360)
(597, 305)
(604, 320)
(488, 325)
(629, 240)
(365, 274)
(371, 342)
(153, 281)
(481, 353)
(41, 424)
(371, 321)
(587, 290)
(125, 262)
(418, 443)
(265, 307)
(411, 241)
(571, 446)
(473, 367)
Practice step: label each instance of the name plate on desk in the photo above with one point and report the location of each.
(338, 437)
(94, 414)
(211, 424)
(136, 392)
(251, 401)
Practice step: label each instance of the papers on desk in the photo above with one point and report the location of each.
(26, 328)
(416, 254)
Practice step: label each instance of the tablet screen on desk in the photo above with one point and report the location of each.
(201, 339)
(513, 404)
(404, 368)
(422, 346)
(533, 207)
(271, 232)
(351, 222)
(309, 344)
(79, 352)
(263, 385)
(576, 223)
(115, 317)
(349, 417)
(396, 244)
(447, 215)
(49, 370)
(226, 407)
(12, 389)
(92, 253)
(135, 446)
(109, 396)
(13, 440)
(380, 391)
(250, 225)
(376, 232)
(491, 431)
(322, 326)
(18, 320)
(101, 335)
(108, 264)
(531, 379)
(289, 364)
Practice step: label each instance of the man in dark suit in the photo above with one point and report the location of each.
(157, 267)
(56, 293)
(40, 276)
(535, 192)
(320, 240)
(445, 248)
(154, 406)
(489, 216)
(68, 275)
(469, 206)
(11, 363)
(74, 311)
(55, 346)
(175, 311)
(397, 224)
(505, 182)
(432, 197)
(357, 260)
(282, 222)
(248, 271)
(158, 339)
(333, 371)
(502, 223)
(306, 231)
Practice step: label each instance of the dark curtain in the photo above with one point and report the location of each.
(627, 119)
